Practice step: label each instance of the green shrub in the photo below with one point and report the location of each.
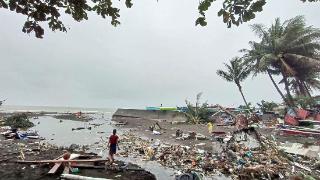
(266, 106)
(197, 113)
(18, 121)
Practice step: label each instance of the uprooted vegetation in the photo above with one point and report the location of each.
(18, 121)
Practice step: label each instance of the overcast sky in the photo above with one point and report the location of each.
(156, 56)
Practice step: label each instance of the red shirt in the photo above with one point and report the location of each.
(113, 139)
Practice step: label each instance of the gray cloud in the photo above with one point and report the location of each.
(156, 56)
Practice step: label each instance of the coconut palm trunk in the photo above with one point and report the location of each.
(278, 89)
(244, 99)
(286, 86)
(307, 89)
(302, 88)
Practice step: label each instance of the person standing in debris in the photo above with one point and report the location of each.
(113, 144)
(210, 127)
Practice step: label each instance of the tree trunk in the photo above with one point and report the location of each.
(286, 85)
(303, 90)
(276, 86)
(244, 99)
(307, 89)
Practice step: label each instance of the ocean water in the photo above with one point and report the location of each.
(10, 108)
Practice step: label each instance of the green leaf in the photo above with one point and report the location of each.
(3, 4)
(257, 6)
(221, 12)
(129, 3)
(237, 9)
(226, 17)
(201, 21)
(68, 11)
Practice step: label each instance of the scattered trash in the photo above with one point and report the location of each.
(155, 126)
(200, 144)
(247, 154)
(200, 137)
(156, 132)
(312, 151)
(120, 123)
(179, 133)
(79, 128)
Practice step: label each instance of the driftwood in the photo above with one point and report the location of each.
(62, 161)
(77, 177)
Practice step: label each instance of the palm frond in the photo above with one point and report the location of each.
(302, 59)
(225, 75)
(259, 30)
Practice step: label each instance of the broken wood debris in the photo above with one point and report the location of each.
(62, 161)
(78, 177)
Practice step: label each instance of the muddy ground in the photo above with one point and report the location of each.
(10, 152)
(140, 127)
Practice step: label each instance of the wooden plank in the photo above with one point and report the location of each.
(54, 169)
(58, 161)
(66, 169)
(56, 165)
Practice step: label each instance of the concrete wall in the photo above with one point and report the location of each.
(150, 114)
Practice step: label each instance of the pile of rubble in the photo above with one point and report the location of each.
(246, 155)
(301, 122)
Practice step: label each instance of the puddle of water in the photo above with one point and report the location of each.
(61, 134)
(152, 166)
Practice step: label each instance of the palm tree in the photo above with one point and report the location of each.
(283, 49)
(236, 72)
(303, 85)
(253, 58)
